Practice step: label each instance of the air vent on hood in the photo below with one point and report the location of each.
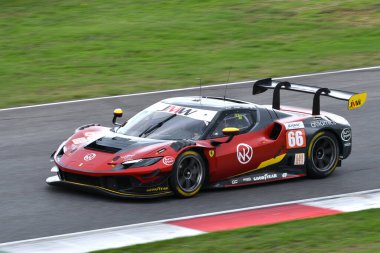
(110, 145)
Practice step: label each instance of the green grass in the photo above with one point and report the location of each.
(350, 232)
(59, 50)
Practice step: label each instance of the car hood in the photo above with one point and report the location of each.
(99, 149)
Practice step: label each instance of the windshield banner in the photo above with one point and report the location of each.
(195, 113)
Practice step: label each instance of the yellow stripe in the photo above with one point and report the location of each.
(266, 163)
(116, 192)
(272, 161)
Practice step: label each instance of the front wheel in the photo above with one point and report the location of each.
(188, 174)
(323, 155)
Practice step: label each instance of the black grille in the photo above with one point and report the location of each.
(82, 179)
(113, 183)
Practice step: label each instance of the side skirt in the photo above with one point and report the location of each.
(259, 177)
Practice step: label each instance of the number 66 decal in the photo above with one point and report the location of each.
(296, 139)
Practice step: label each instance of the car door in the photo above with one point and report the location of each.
(247, 150)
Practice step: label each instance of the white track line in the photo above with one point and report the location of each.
(183, 89)
(352, 194)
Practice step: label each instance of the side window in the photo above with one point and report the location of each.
(242, 120)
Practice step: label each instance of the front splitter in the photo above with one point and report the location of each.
(56, 181)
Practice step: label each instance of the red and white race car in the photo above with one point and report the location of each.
(181, 145)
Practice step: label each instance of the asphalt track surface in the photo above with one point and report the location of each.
(29, 208)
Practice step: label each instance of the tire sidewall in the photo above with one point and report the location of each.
(173, 182)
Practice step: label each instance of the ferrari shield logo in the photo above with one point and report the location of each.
(211, 153)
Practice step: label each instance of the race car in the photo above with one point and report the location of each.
(181, 145)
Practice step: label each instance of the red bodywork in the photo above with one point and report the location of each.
(222, 164)
(221, 160)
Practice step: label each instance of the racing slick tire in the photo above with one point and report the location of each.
(323, 155)
(188, 175)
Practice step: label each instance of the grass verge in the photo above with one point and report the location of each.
(60, 50)
(349, 232)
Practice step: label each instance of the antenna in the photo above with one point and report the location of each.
(225, 88)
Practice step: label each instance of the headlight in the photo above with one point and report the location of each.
(141, 162)
(60, 151)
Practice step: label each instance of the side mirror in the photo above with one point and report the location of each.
(117, 113)
(228, 131)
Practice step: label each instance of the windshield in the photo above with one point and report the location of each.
(168, 122)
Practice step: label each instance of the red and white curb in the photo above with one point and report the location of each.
(198, 224)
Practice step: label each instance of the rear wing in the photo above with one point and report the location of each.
(355, 100)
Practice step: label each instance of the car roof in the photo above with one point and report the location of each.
(210, 103)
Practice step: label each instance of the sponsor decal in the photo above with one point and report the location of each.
(294, 125)
(89, 157)
(244, 153)
(156, 189)
(355, 103)
(168, 160)
(346, 134)
(284, 175)
(322, 123)
(195, 113)
(211, 153)
(299, 159)
(347, 144)
(179, 110)
(357, 100)
(264, 177)
(296, 139)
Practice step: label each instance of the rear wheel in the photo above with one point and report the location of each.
(323, 155)
(188, 174)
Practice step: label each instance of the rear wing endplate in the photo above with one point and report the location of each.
(355, 100)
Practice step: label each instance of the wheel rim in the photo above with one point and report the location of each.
(324, 153)
(189, 174)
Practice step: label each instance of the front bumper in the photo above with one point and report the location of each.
(151, 192)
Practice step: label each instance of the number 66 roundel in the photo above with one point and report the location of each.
(296, 139)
